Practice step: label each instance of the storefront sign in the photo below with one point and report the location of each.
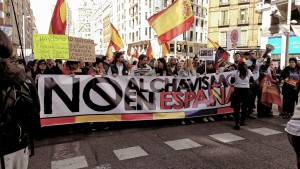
(276, 42)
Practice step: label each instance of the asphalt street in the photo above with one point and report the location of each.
(166, 144)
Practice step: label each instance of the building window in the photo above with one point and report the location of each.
(202, 24)
(150, 33)
(196, 36)
(191, 49)
(259, 36)
(244, 38)
(224, 2)
(165, 3)
(196, 22)
(243, 18)
(184, 48)
(224, 18)
(201, 37)
(191, 35)
(171, 47)
(178, 48)
(222, 40)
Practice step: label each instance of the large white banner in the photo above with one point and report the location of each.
(64, 96)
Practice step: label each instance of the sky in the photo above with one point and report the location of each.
(42, 12)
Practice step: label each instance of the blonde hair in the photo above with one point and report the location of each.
(188, 65)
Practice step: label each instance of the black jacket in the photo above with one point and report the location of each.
(125, 70)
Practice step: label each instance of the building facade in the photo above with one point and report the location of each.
(25, 19)
(276, 28)
(130, 19)
(226, 15)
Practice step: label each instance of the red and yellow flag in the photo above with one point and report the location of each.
(165, 49)
(128, 51)
(109, 52)
(270, 92)
(215, 44)
(172, 21)
(59, 18)
(136, 53)
(149, 52)
(115, 39)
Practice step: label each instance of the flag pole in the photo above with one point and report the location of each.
(12, 3)
(175, 48)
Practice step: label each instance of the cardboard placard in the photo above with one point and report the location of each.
(82, 49)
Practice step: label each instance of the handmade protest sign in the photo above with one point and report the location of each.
(49, 46)
(82, 49)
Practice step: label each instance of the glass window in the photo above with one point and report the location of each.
(244, 14)
(224, 17)
(244, 38)
(223, 36)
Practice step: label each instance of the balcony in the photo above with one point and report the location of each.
(244, 2)
(223, 23)
(224, 3)
(243, 21)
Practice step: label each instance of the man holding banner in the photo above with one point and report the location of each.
(141, 68)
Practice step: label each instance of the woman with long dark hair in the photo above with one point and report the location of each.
(242, 77)
(41, 69)
(162, 68)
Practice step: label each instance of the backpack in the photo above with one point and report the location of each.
(19, 118)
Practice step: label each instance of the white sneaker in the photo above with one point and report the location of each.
(182, 122)
(192, 121)
(205, 119)
(211, 119)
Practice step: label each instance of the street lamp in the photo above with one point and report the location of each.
(24, 35)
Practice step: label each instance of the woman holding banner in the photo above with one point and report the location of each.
(242, 77)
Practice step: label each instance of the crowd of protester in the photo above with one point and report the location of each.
(247, 69)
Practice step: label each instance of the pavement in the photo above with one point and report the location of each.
(166, 144)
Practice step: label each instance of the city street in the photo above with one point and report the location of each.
(261, 144)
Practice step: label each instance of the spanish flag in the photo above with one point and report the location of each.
(172, 21)
(59, 18)
(149, 52)
(165, 49)
(109, 52)
(270, 92)
(128, 51)
(136, 53)
(115, 39)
